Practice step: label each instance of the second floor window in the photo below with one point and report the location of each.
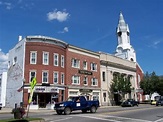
(62, 78)
(76, 80)
(15, 60)
(33, 57)
(32, 75)
(84, 65)
(56, 59)
(44, 77)
(55, 77)
(93, 66)
(85, 81)
(103, 76)
(62, 61)
(75, 63)
(45, 58)
(94, 82)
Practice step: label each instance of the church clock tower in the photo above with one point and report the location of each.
(124, 49)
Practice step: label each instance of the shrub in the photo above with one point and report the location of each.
(18, 112)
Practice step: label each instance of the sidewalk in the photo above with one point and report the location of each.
(45, 110)
(9, 110)
(5, 110)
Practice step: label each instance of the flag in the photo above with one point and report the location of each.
(20, 89)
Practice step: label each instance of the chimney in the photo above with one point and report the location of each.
(20, 38)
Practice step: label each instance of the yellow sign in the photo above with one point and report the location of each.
(33, 82)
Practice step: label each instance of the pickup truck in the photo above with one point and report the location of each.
(76, 103)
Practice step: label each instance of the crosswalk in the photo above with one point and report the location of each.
(97, 117)
(112, 118)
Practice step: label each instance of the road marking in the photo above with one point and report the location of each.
(61, 119)
(126, 110)
(125, 118)
(159, 120)
(114, 118)
(97, 118)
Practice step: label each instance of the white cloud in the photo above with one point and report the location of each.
(156, 43)
(65, 29)
(6, 4)
(3, 61)
(58, 15)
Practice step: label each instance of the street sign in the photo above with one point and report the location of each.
(33, 82)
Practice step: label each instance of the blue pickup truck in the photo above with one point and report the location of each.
(76, 103)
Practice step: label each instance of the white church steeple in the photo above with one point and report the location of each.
(124, 49)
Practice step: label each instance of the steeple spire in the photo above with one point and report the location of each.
(121, 19)
(124, 48)
(122, 26)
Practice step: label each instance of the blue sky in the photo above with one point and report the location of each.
(89, 24)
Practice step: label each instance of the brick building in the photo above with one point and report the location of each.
(41, 57)
(61, 71)
(83, 73)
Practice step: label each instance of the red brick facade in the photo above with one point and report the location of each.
(82, 56)
(139, 77)
(43, 95)
(39, 67)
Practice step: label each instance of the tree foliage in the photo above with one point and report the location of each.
(121, 84)
(151, 83)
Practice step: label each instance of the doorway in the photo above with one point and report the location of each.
(44, 99)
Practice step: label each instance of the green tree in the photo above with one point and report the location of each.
(160, 87)
(145, 84)
(151, 83)
(121, 85)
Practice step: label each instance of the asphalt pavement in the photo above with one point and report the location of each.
(45, 110)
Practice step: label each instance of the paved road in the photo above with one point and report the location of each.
(143, 113)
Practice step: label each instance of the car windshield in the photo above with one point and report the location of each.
(71, 99)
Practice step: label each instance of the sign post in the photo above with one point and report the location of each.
(32, 86)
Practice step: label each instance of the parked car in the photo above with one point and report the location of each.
(129, 103)
(159, 102)
(156, 98)
(76, 103)
(0, 106)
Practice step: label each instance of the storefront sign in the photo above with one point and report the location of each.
(47, 89)
(86, 90)
(85, 72)
(54, 90)
(40, 89)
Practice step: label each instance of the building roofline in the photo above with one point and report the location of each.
(46, 38)
(83, 50)
(140, 67)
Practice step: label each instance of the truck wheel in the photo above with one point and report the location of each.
(67, 111)
(93, 109)
(59, 112)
